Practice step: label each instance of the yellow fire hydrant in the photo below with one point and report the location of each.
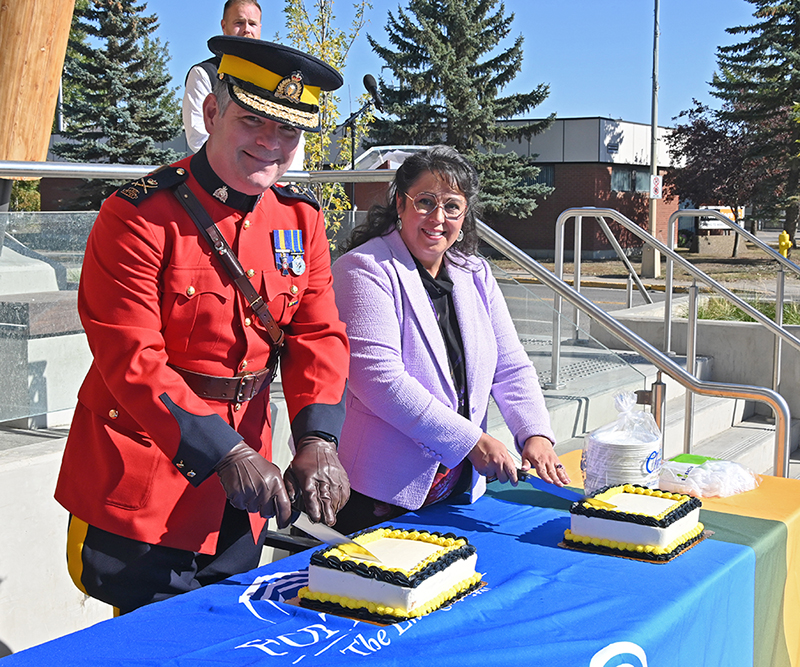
(784, 243)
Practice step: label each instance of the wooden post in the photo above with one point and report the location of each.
(33, 43)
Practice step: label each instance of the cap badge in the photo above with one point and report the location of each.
(290, 87)
(221, 193)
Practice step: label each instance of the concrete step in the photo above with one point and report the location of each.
(590, 377)
(711, 416)
(729, 429)
(751, 443)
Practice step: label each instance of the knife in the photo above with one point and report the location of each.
(324, 533)
(560, 491)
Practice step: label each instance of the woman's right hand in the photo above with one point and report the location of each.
(491, 458)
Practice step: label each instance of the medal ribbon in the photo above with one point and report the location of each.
(287, 242)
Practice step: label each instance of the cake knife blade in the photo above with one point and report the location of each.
(325, 533)
(560, 491)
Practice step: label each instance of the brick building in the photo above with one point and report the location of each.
(598, 162)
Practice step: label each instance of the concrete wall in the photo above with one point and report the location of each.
(44, 355)
(742, 351)
(38, 601)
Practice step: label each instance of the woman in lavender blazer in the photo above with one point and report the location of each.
(431, 338)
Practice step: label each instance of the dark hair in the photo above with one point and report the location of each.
(449, 165)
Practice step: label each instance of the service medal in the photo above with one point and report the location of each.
(298, 265)
(288, 243)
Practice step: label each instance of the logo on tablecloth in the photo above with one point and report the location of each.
(276, 587)
(620, 654)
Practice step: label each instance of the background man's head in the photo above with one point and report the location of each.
(242, 18)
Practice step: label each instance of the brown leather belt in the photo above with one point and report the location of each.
(239, 389)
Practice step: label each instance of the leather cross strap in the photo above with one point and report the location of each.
(231, 263)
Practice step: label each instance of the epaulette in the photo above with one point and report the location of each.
(298, 192)
(165, 177)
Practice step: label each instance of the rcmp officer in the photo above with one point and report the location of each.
(166, 472)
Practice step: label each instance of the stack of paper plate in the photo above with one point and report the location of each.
(615, 460)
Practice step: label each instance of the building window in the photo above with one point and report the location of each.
(630, 179)
(546, 176)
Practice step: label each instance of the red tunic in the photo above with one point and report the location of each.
(142, 447)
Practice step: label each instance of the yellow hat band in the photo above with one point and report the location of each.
(263, 78)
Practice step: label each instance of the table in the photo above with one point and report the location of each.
(766, 520)
(542, 605)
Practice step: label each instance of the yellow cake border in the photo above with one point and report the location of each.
(635, 548)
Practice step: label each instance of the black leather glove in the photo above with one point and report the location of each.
(316, 473)
(254, 484)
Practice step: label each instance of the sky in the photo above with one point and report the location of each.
(595, 55)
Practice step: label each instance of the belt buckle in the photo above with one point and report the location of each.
(241, 395)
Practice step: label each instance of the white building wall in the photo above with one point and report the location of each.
(603, 140)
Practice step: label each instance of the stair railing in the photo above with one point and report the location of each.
(563, 291)
(691, 358)
(771, 253)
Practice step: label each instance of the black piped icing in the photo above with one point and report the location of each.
(361, 568)
(611, 515)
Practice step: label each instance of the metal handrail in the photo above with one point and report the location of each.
(631, 226)
(784, 263)
(21, 169)
(705, 213)
(724, 390)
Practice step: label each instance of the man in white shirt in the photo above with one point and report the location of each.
(241, 18)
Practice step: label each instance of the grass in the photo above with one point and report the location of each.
(717, 308)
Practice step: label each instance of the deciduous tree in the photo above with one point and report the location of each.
(715, 168)
(313, 29)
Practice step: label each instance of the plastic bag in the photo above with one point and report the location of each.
(626, 451)
(710, 479)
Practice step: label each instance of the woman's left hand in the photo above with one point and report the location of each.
(538, 453)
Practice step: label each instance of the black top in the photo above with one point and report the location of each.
(440, 294)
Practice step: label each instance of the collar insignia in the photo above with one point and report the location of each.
(221, 193)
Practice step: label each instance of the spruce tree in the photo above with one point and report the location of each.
(759, 79)
(448, 75)
(125, 106)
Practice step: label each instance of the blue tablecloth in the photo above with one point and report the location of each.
(542, 605)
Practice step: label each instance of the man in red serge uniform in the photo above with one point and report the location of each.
(167, 473)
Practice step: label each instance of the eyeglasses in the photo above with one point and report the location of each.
(426, 203)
